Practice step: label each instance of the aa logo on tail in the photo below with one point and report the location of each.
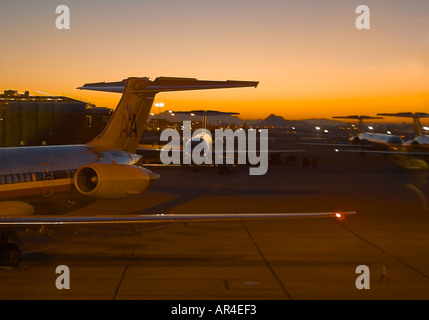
(128, 123)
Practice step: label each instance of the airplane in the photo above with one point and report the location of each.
(372, 140)
(203, 136)
(202, 140)
(388, 144)
(420, 140)
(368, 142)
(39, 185)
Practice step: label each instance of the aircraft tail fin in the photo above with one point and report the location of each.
(360, 118)
(125, 128)
(415, 116)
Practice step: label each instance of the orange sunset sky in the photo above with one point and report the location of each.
(309, 57)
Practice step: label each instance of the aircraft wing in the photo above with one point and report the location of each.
(41, 220)
(268, 151)
(223, 154)
(158, 149)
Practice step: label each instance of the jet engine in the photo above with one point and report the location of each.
(112, 181)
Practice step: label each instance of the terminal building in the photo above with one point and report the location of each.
(27, 120)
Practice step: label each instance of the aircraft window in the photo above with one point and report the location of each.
(21, 178)
(40, 176)
(8, 179)
(15, 178)
(33, 177)
(2, 180)
(27, 177)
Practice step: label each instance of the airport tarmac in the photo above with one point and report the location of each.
(245, 260)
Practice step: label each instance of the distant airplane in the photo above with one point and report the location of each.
(38, 184)
(368, 142)
(387, 144)
(202, 141)
(420, 139)
(374, 140)
(201, 138)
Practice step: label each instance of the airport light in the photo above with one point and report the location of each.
(159, 105)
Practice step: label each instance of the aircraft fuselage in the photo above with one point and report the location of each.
(380, 138)
(422, 140)
(43, 176)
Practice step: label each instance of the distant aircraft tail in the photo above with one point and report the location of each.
(415, 116)
(125, 128)
(360, 118)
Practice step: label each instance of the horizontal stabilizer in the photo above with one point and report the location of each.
(360, 118)
(357, 117)
(206, 113)
(162, 84)
(406, 114)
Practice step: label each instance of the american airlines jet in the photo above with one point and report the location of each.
(39, 184)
